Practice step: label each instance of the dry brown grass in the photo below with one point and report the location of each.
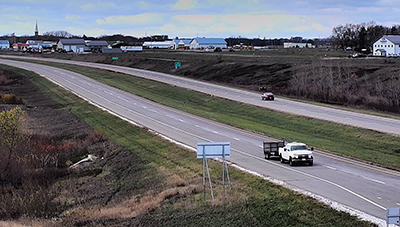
(137, 205)
(26, 222)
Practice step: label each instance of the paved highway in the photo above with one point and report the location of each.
(356, 185)
(382, 124)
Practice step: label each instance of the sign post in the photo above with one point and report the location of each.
(214, 150)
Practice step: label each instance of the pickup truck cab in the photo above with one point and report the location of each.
(296, 153)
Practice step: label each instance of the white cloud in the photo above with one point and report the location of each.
(98, 6)
(245, 25)
(185, 5)
(144, 19)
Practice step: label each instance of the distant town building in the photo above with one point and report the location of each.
(181, 44)
(388, 45)
(95, 46)
(34, 45)
(208, 43)
(4, 44)
(20, 46)
(74, 45)
(157, 44)
(298, 45)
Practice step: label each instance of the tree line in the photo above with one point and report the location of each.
(360, 36)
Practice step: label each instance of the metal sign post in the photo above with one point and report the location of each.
(214, 150)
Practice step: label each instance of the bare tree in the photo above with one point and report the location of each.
(61, 34)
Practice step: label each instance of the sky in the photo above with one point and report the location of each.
(194, 18)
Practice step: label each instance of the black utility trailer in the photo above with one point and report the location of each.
(272, 148)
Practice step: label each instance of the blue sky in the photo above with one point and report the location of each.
(191, 18)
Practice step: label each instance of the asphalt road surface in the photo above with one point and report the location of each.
(382, 124)
(366, 188)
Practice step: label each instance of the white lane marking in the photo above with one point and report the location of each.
(398, 204)
(330, 167)
(167, 115)
(181, 120)
(377, 181)
(108, 92)
(155, 111)
(236, 138)
(379, 198)
(144, 107)
(215, 132)
(197, 126)
(135, 104)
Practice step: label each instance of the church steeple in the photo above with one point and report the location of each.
(36, 30)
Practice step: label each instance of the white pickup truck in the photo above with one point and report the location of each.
(296, 153)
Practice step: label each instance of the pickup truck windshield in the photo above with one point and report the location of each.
(302, 147)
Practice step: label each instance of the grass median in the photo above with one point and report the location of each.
(362, 144)
(178, 200)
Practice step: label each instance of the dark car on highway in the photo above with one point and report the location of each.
(267, 96)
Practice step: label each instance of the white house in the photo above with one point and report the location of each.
(388, 45)
(4, 44)
(208, 43)
(75, 45)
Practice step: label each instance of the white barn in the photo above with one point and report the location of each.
(208, 43)
(388, 45)
(157, 44)
(4, 44)
(298, 45)
(75, 45)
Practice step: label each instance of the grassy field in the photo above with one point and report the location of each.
(178, 200)
(362, 144)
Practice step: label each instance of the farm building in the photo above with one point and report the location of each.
(95, 46)
(75, 45)
(388, 45)
(298, 45)
(208, 43)
(181, 44)
(157, 45)
(4, 44)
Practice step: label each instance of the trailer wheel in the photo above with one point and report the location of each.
(268, 156)
(282, 160)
